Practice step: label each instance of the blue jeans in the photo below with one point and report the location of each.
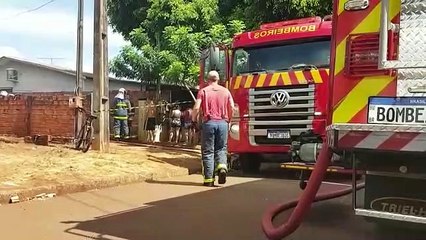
(121, 128)
(214, 144)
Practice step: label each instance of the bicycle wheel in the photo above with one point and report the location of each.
(87, 140)
(80, 137)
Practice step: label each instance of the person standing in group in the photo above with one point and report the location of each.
(175, 124)
(122, 108)
(215, 102)
(150, 122)
(188, 126)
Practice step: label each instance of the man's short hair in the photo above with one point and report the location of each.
(213, 76)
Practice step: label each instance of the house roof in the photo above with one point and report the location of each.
(73, 72)
(57, 69)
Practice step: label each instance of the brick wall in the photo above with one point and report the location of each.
(37, 113)
(46, 114)
(13, 116)
(51, 115)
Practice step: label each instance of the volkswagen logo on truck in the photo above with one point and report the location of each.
(280, 99)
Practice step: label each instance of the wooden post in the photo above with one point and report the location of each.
(106, 80)
(79, 66)
(29, 109)
(141, 114)
(100, 65)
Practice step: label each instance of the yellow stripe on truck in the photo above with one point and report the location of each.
(274, 79)
(316, 76)
(261, 80)
(356, 100)
(286, 78)
(300, 77)
(237, 82)
(248, 82)
(341, 7)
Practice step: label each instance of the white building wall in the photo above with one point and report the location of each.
(38, 79)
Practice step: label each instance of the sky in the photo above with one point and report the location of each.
(50, 32)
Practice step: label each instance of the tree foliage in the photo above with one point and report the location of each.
(166, 36)
(255, 12)
(126, 15)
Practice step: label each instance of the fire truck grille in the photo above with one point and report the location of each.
(296, 117)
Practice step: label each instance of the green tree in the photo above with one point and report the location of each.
(167, 35)
(166, 45)
(126, 15)
(255, 12)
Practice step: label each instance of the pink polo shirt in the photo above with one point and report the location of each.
(215, 102)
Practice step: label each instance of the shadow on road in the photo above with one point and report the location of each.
(230, 213)
(180, 157)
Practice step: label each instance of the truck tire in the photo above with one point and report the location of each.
(250, 164)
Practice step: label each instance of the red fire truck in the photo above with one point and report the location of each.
(376, 114)
(278, 76)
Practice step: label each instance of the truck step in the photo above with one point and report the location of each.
(378, 137)
(390, 216)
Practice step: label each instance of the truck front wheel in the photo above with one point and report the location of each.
(250, 164)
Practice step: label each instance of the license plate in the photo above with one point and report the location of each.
(279, 134)
(391, 110)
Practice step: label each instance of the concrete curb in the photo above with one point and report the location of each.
(62, 189)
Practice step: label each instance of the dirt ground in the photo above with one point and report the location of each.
(24, 166)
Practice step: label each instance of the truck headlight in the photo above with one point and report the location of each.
(234, 131)
(235, 128)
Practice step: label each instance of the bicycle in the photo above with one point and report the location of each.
(85, 135)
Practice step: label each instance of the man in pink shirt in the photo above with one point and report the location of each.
(215, 102)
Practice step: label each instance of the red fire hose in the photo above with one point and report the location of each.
(303, 204)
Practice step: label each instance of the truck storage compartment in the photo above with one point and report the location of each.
(395, 194)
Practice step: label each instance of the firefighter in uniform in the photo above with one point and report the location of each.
(122, 108)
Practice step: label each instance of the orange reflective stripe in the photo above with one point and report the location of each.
(280, 79)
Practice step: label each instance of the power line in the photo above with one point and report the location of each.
(30, 10)
(51, 59)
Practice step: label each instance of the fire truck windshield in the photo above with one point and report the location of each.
(281, 57)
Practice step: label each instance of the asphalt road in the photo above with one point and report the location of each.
(182, 209)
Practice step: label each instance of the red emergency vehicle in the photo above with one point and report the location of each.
(278, 76)
(376, 114)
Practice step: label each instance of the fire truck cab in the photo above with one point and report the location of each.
(278, 77)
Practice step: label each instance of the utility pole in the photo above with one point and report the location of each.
(100, 69)
(79, 66)
(106, 74)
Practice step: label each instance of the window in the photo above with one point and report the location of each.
(220, 69)
(11, 74)
(222, 63)
(206, 67)
(282, 57)
(4, 91)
